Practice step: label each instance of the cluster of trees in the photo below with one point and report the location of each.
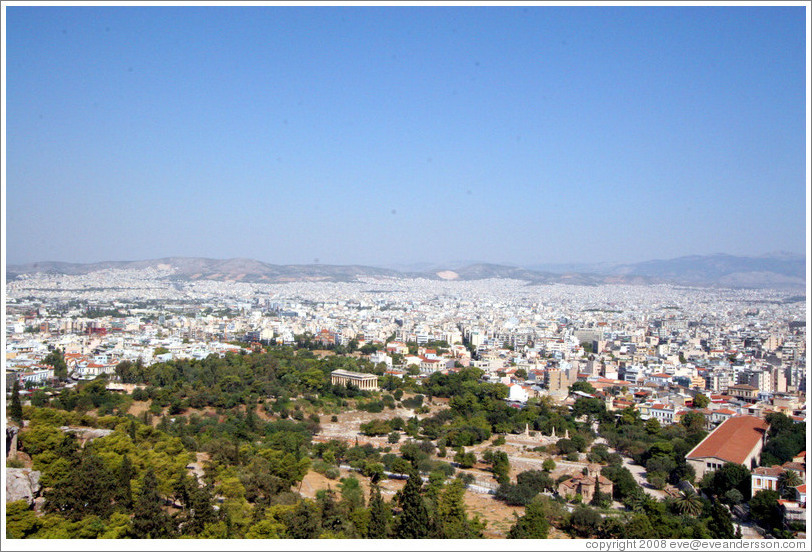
(688, 516)
(661, 449)
(85, 397)
(240, 378)
(785, 439)
(478, 410)
(135, 483)
(528, 485)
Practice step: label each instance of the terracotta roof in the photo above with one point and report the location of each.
(801, 488)
(797, 466)
(773, 471)
(733, 440)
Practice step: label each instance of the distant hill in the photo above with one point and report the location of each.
(773, 271)
(776, 270)
(196, 268)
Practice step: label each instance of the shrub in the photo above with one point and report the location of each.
(657, 480)
(466, 478)
(15, 463)
(515, 495)
(320, 466)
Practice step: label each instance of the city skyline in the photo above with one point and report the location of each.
(397, 135)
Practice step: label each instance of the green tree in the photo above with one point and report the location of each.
(200, 506)
(583, 387)
(688, 503)
(380, 515)
(87, 490)
(124, 475)
(729, 476)
(303, 522)
(720, 524)
(694, 422)
(584, 521)
(21, 521)
(352, 496)
(451, 519)
(787, 482)
(414, 521)
(599, 498)
(639, 527)
(56, 358)
(764, 508)
(16, 410)
(701, 401)
(653, 426)
(500, 465)
(534, 524)
(149, 519)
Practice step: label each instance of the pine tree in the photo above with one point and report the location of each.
(149, 519)
(452, 520)
(414, 522)
(16, 411)
(88, 489)
(303, 521)
(124, 475)
(380, 515)
(534, 524)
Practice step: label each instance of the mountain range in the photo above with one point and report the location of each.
(777, 270)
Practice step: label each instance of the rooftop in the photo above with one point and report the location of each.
(733, 440)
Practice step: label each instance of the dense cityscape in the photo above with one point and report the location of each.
(611, 411)
(326, 273)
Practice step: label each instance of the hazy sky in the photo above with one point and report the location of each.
(381, 135)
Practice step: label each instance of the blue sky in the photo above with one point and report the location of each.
(383, 135)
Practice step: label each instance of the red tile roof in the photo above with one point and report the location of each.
(733, 440)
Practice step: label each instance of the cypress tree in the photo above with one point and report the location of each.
(149, 519)
(16, 411)
(720, 524)
(200, 502)
(380, 515)
(331, 518)
(414, 522)
(124, 475)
